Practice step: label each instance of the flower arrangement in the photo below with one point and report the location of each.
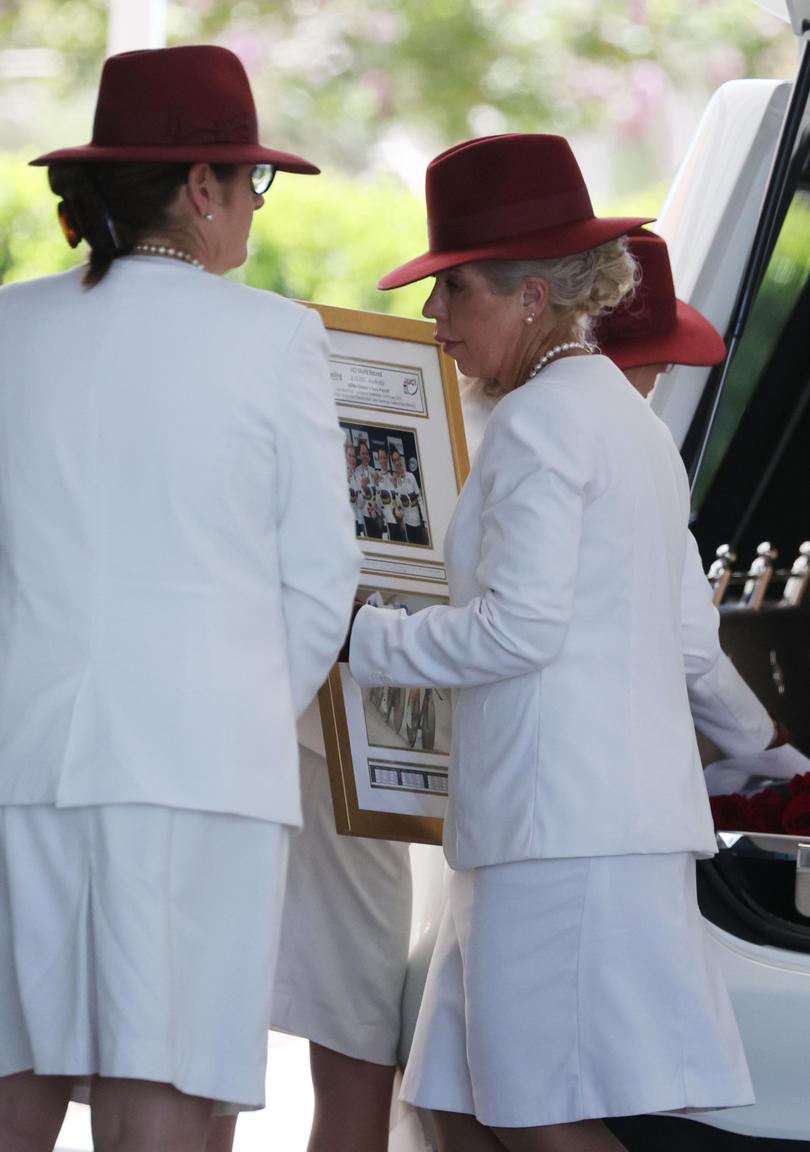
(782, 808)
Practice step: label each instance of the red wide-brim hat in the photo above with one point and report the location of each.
(177, 105)
(519, 196)
(653, 326)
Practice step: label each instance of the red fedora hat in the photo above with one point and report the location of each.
(177, 105)
(653, 326)
(513, 197)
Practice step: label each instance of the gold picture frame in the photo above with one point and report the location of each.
(398, 403)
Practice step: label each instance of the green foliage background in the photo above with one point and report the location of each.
(372, 89)
(327, 238)
(335, 75)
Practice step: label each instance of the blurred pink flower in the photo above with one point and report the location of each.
(249, 49)
(594, 82)
(643, 97)
(379, 82)
(723, 63)
(382, 27)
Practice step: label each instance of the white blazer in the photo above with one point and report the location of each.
(723, 707)
(580, 628)
(168, 600)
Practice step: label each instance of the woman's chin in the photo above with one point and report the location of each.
(464, 363)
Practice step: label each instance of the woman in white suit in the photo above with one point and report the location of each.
(163, 618)
(570, 981)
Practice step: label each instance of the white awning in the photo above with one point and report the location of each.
(135, 24)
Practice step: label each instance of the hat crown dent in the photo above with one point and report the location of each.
(509, 169)
(501, 187)
(152, 97)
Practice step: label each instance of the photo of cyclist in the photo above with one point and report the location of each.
(410, 501)
(354, 492)
(365, 479)
(388, 501)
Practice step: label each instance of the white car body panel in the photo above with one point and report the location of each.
(709, 218)
(770, 991)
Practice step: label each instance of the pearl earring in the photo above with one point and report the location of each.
(530, 318)
(209, 215)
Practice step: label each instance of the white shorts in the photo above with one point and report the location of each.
(564, 990)
(344, 937)
(139, 941)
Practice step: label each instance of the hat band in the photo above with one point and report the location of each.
(237, 129)
(509, 221)
(180, 131)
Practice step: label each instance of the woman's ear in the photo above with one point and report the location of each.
(200, 190)
(534, 294)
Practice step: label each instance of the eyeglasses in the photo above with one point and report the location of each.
(261, 177)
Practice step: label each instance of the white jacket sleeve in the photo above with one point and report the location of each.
(723, 706)
(534, 470)
(319, 560)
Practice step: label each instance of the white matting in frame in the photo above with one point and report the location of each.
(398, 404)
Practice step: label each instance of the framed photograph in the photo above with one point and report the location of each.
(387, 748)
(406, 460)
(406, 455)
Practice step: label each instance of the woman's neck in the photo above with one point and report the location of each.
(527, 360)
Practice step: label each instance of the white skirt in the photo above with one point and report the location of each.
(139, 941)
(344, 937)
(564, 990)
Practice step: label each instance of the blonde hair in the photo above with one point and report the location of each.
(582, 286)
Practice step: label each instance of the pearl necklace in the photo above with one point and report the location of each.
(555, 351)
(165, 250)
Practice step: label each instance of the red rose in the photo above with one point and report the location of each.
(730, 813)
(796, 815)
(800, 784)
(765, 810)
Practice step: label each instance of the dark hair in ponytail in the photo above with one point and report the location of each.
(112, 205)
